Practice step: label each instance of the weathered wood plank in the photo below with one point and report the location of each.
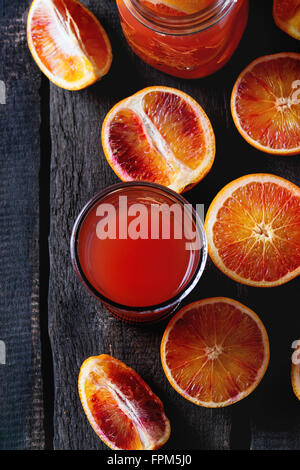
(21, 403)
(80, 327)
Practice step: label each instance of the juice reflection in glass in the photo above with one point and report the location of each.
(140, 249)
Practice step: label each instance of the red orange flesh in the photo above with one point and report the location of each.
(68, 43)
(265, 104)
(253, 230)
(159, 135)
(177, 7)
(215, 352)
(286, 15)
(120, 406)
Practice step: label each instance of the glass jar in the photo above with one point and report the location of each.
(139, 277)
(188, 46)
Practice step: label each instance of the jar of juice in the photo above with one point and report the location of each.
(140, 249)
(184, 45)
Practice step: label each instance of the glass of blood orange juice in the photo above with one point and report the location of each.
(186, 45)
(140, 249)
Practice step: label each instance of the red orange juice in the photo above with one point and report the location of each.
(139, 249)
(184, 45)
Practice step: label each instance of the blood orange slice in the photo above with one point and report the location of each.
(265, 104)
(120, 406)
(177, 7)
(159, 135)
(215, 352)
(162, 8)
(253, 230)
(286, 15)
(68, 43)
(296, 371)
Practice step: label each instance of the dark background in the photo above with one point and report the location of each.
(51, 164)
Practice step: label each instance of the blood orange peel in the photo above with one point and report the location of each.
(161, 135)
(253, 230)
(68, 43)
(120, 406)
(265, 105)
(215, 352)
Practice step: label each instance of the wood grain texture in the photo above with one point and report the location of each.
(21, 403)
(80, 327)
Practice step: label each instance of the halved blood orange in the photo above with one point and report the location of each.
(120, 406)
(68, 43)
(286, 14)
(176, 7)
(160, 135)
(215, 352)
(295, 373)
(265, 104)
(253, 230)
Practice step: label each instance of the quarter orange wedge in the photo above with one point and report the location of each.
(160, 135)
(215, 352)
(253, 230)
(120, 406)
(265, 104)
(295, 375)
(286, 15)
(68, 43)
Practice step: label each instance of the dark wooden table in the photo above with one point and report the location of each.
(52, 163)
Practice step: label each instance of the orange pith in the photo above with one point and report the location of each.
(68, 43)
(265, 104)
(159, 135)
(253, 230)
(295, 372)
(176, 7)
(120, 406)
(286, 15)
(215, 352)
